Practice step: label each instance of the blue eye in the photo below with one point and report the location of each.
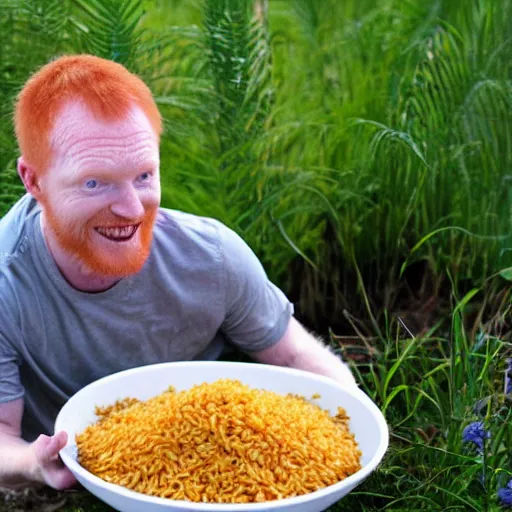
(91, 184)
(145, 176)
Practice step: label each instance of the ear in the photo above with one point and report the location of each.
(29, 178)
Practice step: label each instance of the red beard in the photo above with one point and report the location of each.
(101, 257)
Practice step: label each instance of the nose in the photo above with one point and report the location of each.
(128, 204)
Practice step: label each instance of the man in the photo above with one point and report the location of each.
(96, 278)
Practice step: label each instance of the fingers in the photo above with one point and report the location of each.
(47, 448)
(55, 444)
(58, 442)
(51, 470)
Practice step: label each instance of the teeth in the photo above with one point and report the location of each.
(118, 232)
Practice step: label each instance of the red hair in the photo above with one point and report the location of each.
(108, 89)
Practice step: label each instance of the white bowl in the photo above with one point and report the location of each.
(366, 422)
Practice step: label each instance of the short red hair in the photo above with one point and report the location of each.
(107, 88)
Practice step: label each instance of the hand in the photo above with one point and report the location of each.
(49, 469)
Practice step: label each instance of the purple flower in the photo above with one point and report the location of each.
(476, 433)
(508, 377)
(505, 495)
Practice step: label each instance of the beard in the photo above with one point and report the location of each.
(97, 254)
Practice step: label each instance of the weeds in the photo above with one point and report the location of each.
(355, 144)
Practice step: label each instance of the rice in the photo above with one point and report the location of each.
(222, 442)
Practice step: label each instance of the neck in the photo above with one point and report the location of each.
(73, 270)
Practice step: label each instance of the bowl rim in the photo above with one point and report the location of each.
(142, 498)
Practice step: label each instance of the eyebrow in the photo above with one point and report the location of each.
(83, 174)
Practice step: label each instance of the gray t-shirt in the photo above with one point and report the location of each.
(200, 286)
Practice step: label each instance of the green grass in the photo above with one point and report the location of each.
(334, 136)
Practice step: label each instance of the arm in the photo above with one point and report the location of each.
(23, 464)
(258, 313)
(299, 349)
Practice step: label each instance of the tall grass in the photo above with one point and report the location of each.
(408, 115)
(430, 389)
(334, 136)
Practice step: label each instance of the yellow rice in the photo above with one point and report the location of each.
(222, 442)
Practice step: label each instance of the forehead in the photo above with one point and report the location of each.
(78, 135)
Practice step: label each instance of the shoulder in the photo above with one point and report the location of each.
(13, 229)
(16, 262)
(184, 231)
(178, 223)
(201, 244)
(10, 312)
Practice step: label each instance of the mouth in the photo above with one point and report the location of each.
(118, 233)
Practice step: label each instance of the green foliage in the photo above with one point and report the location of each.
(339, 134)
(384, 125)
(429, 389)
(22, 23)
(111, 30)
(388, 101)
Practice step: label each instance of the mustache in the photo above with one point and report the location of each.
(118, 225)
(107, 219)
(65, 224)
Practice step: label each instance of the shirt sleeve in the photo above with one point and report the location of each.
(257, 311)
(10, 383)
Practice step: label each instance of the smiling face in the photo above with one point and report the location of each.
(101, 193)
